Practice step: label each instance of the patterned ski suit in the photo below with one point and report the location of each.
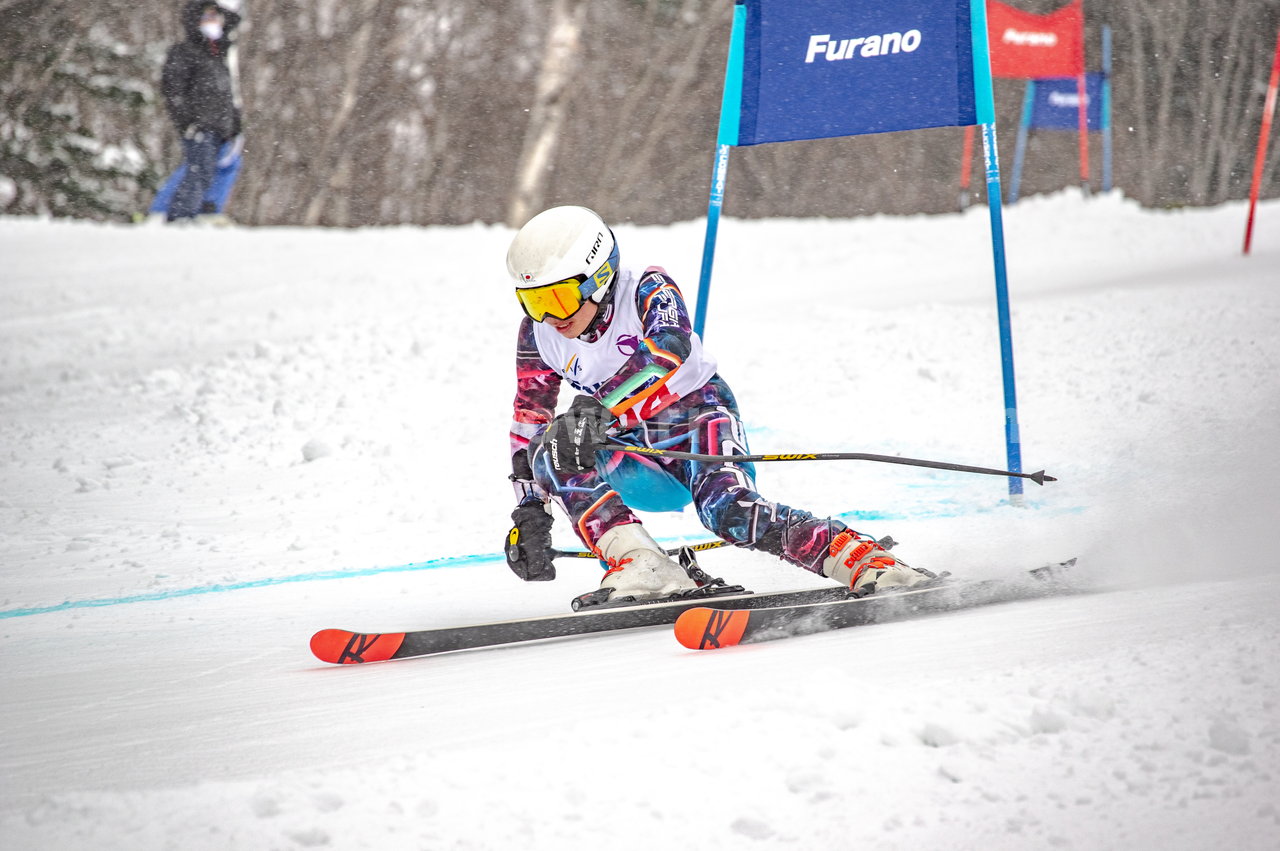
(651, 397)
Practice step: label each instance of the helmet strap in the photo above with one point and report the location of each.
(604, 314)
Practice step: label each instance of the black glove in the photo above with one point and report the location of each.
(574, 437)
(528, 544)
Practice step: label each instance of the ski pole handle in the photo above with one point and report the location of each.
(1038, 477)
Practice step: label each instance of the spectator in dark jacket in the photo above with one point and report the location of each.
(196, 84)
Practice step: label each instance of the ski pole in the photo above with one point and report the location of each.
(1038, 477)
(705, 545)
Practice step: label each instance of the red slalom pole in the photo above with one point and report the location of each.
(1268, 108)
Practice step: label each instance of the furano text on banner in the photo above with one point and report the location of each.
(874, 45)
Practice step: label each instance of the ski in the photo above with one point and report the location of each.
(713, 627)
(344, 647)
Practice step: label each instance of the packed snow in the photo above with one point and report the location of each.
(217, 441)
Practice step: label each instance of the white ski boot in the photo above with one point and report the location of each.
(637, 565)
(865, 566)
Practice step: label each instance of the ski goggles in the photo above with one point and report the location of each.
(563, 298)
(560, 300)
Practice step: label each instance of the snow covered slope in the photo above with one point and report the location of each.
(214, 442)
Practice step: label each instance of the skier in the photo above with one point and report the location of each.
(199, 96)
(619, 334)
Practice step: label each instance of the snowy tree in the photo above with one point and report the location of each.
(75, 97)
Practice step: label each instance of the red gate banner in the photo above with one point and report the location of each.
(1031, 47)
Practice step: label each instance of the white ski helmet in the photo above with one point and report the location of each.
(561, 257)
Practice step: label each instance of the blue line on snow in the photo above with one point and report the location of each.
(319, 576)
(450, 561)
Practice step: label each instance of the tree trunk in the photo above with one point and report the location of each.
(327, 163)
(547, 116)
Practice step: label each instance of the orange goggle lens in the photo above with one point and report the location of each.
(561, 299)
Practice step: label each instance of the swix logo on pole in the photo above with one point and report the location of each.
(717, 187)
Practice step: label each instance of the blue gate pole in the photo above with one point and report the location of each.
(1013, 442)
(714, 205)
(726, 138)
(985, 101)
(1020, 150)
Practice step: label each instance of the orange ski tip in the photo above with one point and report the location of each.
(341, 647)
(709, 629)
